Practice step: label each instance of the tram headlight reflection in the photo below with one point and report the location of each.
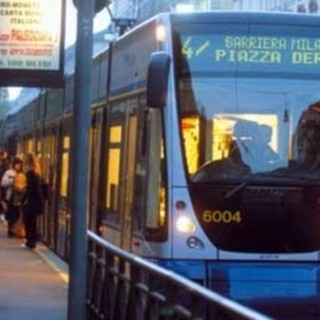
(185, 225)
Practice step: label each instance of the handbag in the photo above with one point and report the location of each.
(18, 228)
(4, 206)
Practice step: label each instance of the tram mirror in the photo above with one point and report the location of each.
(157, 80)
(98, 5)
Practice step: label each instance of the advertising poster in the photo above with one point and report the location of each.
(31, 42)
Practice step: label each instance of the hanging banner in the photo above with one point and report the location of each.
(32, 43)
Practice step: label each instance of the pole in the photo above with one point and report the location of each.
(80, 152)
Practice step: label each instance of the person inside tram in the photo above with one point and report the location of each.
(251, 146)
(249, 152)
(272, 157)
(308, 139)
(301, 8)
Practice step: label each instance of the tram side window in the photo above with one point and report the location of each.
(52, 174)
(25, 146)
(46, 156)
(113, 170)
(65, 167)
(190, 133)
(155, 213)
(48, 173)
(29, 147)
(113, 167)
(39, 150)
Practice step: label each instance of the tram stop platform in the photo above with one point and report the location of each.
(33, 283)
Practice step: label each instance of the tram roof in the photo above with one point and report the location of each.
(245, 17)
(29, 94)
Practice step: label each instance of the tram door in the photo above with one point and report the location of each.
(94, 165)
(128, 175)
(50, 164)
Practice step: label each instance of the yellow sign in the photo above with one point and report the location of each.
(269, 50)
(221, 216)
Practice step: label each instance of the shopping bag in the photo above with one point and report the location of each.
(18, 228)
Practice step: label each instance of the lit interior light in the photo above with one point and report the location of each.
(161, 33)
(185, 225)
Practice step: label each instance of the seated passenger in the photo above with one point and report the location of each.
(250, 152)
(308, 139)
(269, 154)
(251, 145)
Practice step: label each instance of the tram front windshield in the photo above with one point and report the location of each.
(253, 125)
(249, 113)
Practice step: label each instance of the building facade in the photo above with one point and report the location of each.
(141, 10)
(307, 6)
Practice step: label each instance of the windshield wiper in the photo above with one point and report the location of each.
(270, 177)
(236, 189)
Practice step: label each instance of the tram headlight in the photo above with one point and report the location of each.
(160, 33)
(185, 225)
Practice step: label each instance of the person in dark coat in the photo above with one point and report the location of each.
(34, 200)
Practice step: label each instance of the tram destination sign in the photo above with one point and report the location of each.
(32, 43)
(251, 53)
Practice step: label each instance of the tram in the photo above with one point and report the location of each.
(204, 144)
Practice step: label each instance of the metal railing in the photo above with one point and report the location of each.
(123, 286)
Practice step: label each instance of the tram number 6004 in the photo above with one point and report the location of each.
(218, 216)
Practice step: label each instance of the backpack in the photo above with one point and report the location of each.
(20, 182)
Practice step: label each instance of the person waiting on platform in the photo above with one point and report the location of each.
(14, 184)
(34, 200)
(4, 166)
